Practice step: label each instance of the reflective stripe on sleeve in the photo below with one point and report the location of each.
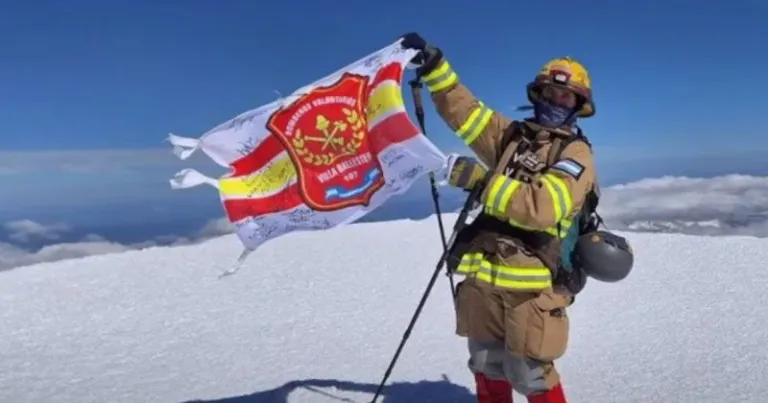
(561, 197)
(441, 77)
(476, 122)
(500, 192)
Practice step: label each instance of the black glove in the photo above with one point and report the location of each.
(428, 57)
(466, 172)
(414, 41)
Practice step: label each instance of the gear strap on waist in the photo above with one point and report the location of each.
(483, 235)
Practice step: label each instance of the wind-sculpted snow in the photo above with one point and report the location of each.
(315, 317)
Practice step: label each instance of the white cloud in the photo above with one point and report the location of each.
(23, 231)
(94, 178)
(28, 230)
(125, 160)
(12, 256)
(94, 161)
(93, 238)
(725, 205)
(217, 227)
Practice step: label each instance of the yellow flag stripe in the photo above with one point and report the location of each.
(384, 101)
(277, 175)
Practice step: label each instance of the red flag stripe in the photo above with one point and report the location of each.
(271, 146)
(238, 209)
(256, 159)
(392, 71)
(394, 129)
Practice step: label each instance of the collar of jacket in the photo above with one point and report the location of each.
(545, 134)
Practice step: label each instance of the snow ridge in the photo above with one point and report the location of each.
(315, 317)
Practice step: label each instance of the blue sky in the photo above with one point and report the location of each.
(115, 74)
(89, 89)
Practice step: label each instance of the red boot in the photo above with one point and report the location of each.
(492, 390)
(554, 395)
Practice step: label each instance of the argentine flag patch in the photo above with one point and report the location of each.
(569, 166)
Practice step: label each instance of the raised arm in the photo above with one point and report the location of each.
(479, 126)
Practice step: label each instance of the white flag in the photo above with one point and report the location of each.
(325, 156)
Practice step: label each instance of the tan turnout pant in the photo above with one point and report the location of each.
(513, 335)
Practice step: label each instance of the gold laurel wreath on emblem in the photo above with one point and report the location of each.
(329, 131)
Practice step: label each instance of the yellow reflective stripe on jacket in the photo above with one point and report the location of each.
(441, 77)
(561, 197)
(470, 262)
(501, 190)
(477, 121)
(519, 278)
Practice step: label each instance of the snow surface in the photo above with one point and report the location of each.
(316, 316)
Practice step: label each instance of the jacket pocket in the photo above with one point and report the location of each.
(548, 326)
(462, 309)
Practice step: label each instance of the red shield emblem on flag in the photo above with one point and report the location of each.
(326, 135)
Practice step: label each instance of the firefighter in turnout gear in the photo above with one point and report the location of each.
(511, 304)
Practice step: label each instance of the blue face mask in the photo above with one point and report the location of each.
(550, 115)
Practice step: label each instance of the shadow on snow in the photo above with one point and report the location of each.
(399, 392)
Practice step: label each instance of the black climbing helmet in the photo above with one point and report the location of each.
(604, 256)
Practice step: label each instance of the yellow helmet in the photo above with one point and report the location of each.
(565, 72)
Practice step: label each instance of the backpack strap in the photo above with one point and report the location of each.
(559, 144)
(515, 144)
(511, 134)
(520, 132)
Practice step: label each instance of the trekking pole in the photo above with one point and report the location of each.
(416, 87)
(457, 227)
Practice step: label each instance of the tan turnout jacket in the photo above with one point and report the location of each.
(547, 203)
